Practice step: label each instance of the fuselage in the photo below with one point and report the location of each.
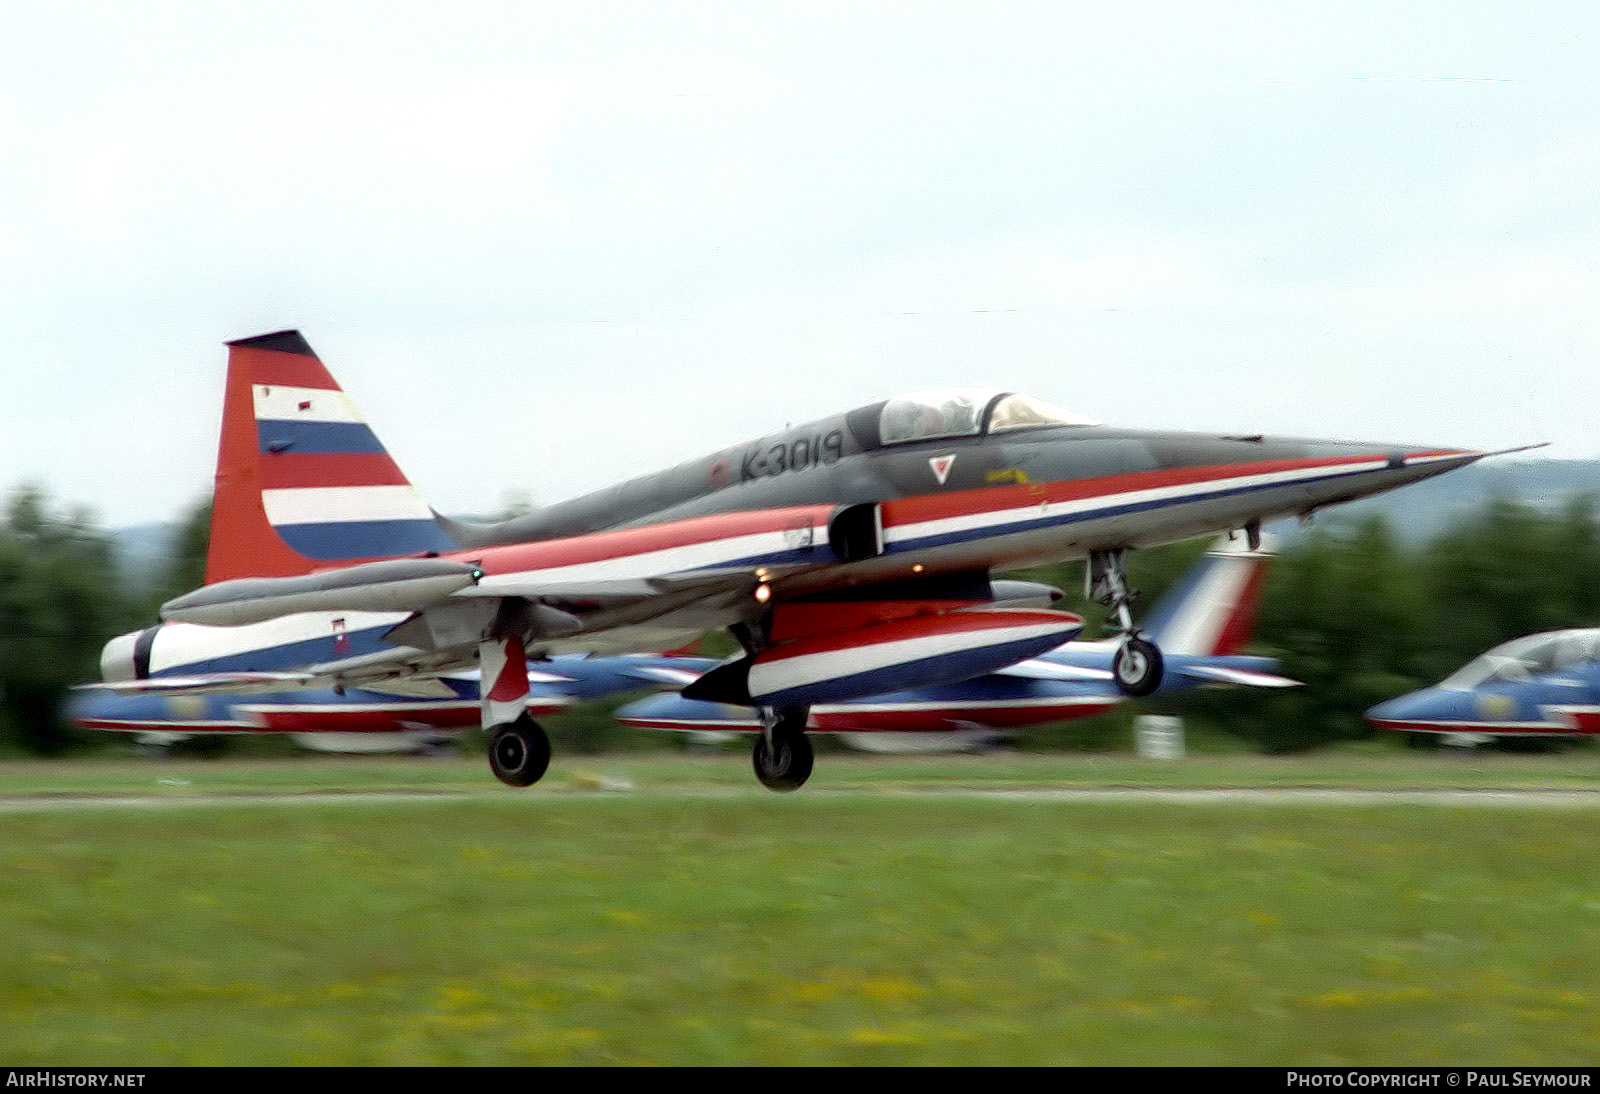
(869, 506)
(843, 461)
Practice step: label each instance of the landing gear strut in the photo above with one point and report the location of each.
(782, 758)
(519, 752)
(1136, 667)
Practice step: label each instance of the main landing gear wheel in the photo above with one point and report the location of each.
(1136, 667)
(519, 752)
(782, 757)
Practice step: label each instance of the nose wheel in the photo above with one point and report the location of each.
(1136, 667)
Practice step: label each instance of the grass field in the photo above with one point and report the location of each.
(868, 919)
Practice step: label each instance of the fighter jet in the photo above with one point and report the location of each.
(421, 715)
(1201, 627)
(848, 556)
(1537, 685)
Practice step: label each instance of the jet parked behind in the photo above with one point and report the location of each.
(848, 556)
(1201, 627)
(421, 716)
(1537, 685)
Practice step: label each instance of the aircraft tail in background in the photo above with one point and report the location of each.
(1212, 610)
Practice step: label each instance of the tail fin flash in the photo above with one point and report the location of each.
(302, 481)
(1212, 611)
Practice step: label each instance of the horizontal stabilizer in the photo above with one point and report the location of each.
(1040, 669)
(1217, 674)
(656, 674)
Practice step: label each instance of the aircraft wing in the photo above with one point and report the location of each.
(537, 587)
(214, 683)
(407, 672)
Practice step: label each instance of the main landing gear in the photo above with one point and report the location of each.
(783, 757)
(519, 752)
(1136, 666)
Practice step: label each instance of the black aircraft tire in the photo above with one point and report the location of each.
(1137, 667)
(519, 752)
(787, 764)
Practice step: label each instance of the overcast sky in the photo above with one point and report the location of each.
(549, 246)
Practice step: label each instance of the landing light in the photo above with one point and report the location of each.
(763, 593)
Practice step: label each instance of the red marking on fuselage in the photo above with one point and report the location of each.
(1584, 719)
(603, 546)
(1536, 728)
(801, 619)
(918, 627)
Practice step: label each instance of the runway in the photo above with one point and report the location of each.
(1264, 796)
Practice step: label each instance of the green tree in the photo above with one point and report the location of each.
(61, 598)
(185, 567)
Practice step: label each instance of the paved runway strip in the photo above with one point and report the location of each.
(1487, 799)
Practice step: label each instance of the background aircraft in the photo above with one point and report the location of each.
(849, 556)
(368, 721)
(1201, 625)
(1538, 685)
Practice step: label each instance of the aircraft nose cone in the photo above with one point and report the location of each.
(1425, 461)
(1429, 709)
(1366, 469)
(1392, 711)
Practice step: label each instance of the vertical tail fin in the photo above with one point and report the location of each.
(302, 481)
(1212, 611)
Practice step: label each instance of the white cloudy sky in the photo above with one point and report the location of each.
(549, 246)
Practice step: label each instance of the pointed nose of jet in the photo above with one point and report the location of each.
(1431, 710)
(1375, 468)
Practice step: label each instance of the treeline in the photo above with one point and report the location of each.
(1351, 610)
(63, 593)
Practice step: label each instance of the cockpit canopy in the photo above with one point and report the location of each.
(1525, 657)
(965, 412)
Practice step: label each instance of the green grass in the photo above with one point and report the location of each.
(1350, 767)
(741, 927)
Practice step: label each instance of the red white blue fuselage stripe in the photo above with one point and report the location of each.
(938, 520)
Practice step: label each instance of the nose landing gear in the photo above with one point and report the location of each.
(1136, 667)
